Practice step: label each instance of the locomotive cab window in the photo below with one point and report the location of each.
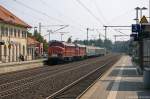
(56, 44)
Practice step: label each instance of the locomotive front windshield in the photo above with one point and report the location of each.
(56, 44)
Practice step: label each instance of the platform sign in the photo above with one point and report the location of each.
(136, 27)
(134, 37)
(145, 26)
(143, 20)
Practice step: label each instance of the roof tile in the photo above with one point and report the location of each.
(7, 17)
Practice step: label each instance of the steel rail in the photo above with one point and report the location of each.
(28, 84)
(78, 80)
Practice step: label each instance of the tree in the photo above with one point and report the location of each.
(108, 44)
(45, 46)
(29, 34)
(69, 40)
(40, 39)
(38, 36)
(99, 43)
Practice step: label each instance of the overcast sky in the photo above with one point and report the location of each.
(75, 14)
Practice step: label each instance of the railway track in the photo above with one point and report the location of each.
(76, 89)
(41, 82)
(9, 77)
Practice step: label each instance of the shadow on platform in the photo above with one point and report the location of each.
(129, 83)
(126, 72)
(126, 86)
(144, 94)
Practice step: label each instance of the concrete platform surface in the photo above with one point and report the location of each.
(22, 65)
(120, 82)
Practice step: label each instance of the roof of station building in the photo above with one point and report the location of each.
(8, 17)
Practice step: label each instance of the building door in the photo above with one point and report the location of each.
(0, 52)
(17, 53)
(13, 53)
(5, 53)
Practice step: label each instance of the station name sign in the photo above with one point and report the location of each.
(137, 28)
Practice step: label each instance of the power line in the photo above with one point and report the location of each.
(99, 10)
(121, 32)
(43, 13)
(89, 11)
(38, 11)
(58, 29)
(73, 21)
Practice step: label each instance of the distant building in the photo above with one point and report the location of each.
(35, 48)
(13, 37)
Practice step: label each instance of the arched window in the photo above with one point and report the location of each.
(23, 50)
(15, 32)
(10, 31)
(19, 49)
(13, 53)
(16, 52)
(2, 31)
(5, 50)
(6, 31)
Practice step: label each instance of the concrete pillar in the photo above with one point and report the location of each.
(146, 78)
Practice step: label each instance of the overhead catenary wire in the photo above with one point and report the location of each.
(58, 20)
(72, 21)
(90, 12)
(38, 11)
(59, 12)
(99, 10)
(45, 14)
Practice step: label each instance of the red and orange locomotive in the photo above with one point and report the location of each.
(62, 51)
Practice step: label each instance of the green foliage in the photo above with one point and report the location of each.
(29, 34)
(108, 44)
(39, 38)
(69, 40)
(45, 46)
(99, 43)
(122, 46)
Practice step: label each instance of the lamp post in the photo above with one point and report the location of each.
(61, 36)
(49, 31)
(143, 8)
(87, 36)
(140, 36)
(137, 13)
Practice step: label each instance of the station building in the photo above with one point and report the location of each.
(35, 48)
(13, 37)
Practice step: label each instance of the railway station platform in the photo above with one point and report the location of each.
(120, 82)
(22, 65)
